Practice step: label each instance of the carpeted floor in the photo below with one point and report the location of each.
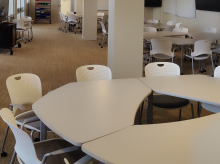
(54, 56)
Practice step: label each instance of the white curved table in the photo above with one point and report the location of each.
(158, 26)
(83, 111)
(187, 142)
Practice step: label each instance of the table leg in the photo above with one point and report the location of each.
(149, 110)
(181, 68)
(43, 131)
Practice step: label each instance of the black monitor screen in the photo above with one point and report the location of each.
(153, 3)
(208, 5)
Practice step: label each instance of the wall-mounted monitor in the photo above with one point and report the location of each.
(208, 5)
(153, 3)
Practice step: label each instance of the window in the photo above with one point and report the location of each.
(11, 8)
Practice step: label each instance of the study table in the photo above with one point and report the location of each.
(158, 26)
(193, 141)
(83, 111)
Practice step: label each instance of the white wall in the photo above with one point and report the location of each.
(78, 6)
(65, 6)
(148, 13)
(203, 19)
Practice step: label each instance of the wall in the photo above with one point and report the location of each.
(148, 13)
(65, 6)
(203, 19)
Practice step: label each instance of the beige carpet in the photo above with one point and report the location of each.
(54, 56)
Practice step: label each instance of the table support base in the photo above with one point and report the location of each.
(149, 110)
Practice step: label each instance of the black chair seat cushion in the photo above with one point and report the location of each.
(169, 102)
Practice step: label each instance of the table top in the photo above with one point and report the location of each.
(83, 111)
(194, 141)
(194, 87)
(205, 36)
(157, 26)
(166, 35)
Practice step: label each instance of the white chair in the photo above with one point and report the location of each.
(51, 151)
(93, 73)
(64, 23)
(178, 25)
(23, 89)
(72, 21)
(177, 29)
(150, 29)
(211, 108)
(209, 30)
(61, 21)
(170, 23)
(161, 49)
(104, 34)
(21, 28)
(201, 52)
(168, 28)
(29, 25)
(164, 101)
(153, 21)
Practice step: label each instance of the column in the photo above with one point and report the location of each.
(125, 43)
(89, 31)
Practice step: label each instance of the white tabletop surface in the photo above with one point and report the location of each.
(194, 87)
(166, 35)
(157, 26)
(194, 141)
(205, 36)
(84, 111)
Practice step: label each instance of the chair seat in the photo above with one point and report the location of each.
(169, 102)
(52, 145)
(33, 125)
(211, 108)
(162, 56)
(200, 57)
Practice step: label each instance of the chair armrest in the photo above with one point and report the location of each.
(84, 160)
(18, 106)
(61, 151)
(29, 120)
(174, 49)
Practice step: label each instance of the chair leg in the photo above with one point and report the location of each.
(13, 158)
(192, 110)
(200, 110)
(192, 67)
(180, 112)
(212, 65)
(32, 34)
(4, 154)
(101, 40)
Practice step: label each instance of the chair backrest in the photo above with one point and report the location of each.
(27, 18)
(209, 30)
(177, 29)
(150, 29)
(100, 14)
(24, 89)
(217, 72)
(20, 23)
(202, 47)
(105, 18)
(160, 46)
(63, 17)
(72, 18)
(24, 146)
(170, 23)
(178, 24)
(152, 21)
(93, 73)
(103, 26)
(162, 69)
(168, 28)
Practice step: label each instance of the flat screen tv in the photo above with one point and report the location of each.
(208, 5)
(153, 3)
